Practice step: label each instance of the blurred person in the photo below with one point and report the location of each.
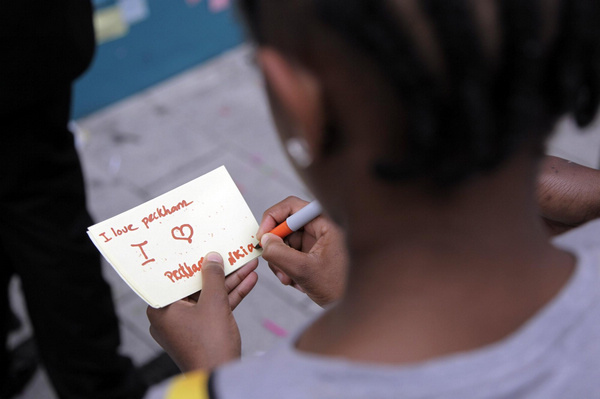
(45, 46)
(419, 126)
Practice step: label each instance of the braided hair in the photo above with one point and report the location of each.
(490, 94)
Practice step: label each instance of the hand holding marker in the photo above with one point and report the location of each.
(297, 220)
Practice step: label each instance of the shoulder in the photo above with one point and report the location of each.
(280, 372)
(261, 376)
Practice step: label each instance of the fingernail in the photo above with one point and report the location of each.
(280, 277)
(214, 257)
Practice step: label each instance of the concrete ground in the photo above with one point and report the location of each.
(212, 115)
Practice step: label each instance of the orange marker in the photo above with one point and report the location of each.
(297, 220)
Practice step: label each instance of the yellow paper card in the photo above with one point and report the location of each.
(109, 24)
(158, 247)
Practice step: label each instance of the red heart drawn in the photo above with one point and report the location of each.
(180, 233)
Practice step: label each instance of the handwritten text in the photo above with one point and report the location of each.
(186, 271)
(164, 211)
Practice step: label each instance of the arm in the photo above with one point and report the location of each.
(568, 194)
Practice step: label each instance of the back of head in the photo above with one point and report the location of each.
(473, 80)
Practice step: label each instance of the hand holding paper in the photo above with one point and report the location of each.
(158, 248)
(203, 334)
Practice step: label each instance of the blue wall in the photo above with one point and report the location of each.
(175, 36)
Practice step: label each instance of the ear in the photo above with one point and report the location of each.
(298, 94)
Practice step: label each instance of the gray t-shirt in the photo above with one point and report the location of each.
(556, 354)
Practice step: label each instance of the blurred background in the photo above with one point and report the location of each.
(172, 94)
(143, 42)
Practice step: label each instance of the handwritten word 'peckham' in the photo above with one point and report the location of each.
(185, 271)
(164, 211)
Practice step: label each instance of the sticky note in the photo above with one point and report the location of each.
(134, 11)
(218, 5)
(109, 24)
(158, 247)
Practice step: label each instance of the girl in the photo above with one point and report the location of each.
(419, 126)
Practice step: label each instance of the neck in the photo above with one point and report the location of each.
(444, 274)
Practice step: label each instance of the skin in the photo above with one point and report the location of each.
(181, 328)
(312, 260)
(568, 194)
(425, 275)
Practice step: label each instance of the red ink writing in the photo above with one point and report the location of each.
(141, 247)
(183, 232)
(118, 232)
(241, 253)
(184, 271)
(164, 211)
(106, 239)
(126, 229)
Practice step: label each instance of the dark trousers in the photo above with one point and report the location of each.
(43, 221)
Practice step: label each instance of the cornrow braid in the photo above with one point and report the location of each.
(372, 27)
(482, 107)
(486, 114)
(578, 90)
(468, 122)
(517, 92)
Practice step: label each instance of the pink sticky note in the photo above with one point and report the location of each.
(218, 5)
(274, 328)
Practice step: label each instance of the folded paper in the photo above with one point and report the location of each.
(158, 247)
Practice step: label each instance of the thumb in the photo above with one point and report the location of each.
(287, 259)
(213, 278)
